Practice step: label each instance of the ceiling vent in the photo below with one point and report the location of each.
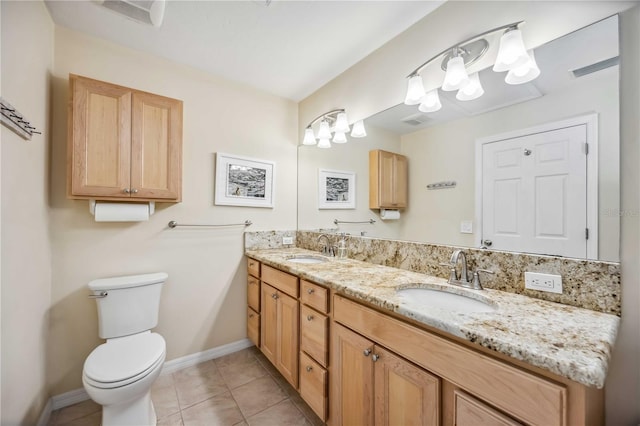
(149, 12)
(415, 119)
(598, 66)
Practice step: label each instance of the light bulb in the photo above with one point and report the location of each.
(324, 132)
(342, 124)
(471, 91)
(456, 76)
(415, 90)
(430, 102)
(339, 137)
(309, 138)
(324, 143)
(524, 73)
(358, 130)
(511, 53)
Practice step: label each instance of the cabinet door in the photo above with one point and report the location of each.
(156, 147)
(404, 394)
(268, 322)
(351, 378)
(387, 188)
(99, 139)
(400, 179)
(468, 411)
(287, 355)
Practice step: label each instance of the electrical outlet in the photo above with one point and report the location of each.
(466, 227)
(287, 240)
(543, 282)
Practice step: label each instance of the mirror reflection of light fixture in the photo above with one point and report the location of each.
(335, 122)
(512, 57)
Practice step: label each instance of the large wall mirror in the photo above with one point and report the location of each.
(579, 82)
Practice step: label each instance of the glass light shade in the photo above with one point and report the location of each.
(430, 102)
(339, 137)
(324, 143)
(358, 130)
(525, 73)
(342, 124)
(511, 53)
(309, 138)
(471, 91)
(456, 76)
(415, 90)
(324, 132)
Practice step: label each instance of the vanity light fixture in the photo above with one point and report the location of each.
(335, 122)
(512, 57)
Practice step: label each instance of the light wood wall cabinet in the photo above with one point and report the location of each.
(124, 144)
(371, 385)
(388, 177)
(279, 319)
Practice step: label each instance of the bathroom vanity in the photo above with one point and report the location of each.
(362, 355)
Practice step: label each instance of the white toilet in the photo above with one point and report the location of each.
(119, 373)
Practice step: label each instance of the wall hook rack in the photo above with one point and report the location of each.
(15, 121)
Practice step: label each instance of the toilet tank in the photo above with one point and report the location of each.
(127, 305)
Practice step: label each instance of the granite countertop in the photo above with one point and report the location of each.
(571, 342)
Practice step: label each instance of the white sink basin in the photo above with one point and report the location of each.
(428, 298)
(307, 259)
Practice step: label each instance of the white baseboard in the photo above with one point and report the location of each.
(78, 395)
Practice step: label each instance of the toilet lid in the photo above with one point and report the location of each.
(124, 358)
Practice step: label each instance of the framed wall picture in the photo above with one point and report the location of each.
(336, 189)
(243, 181)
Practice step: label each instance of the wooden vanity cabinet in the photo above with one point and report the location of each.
(388, 177)
(279, 318)
(371, 385)
(123, 144)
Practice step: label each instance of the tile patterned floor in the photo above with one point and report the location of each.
(241, 388)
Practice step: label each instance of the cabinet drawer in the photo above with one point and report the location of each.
(314, 295)
(253, 293)
(525, 396)
(313, 385)
(314, 332)
(253, 326)
(471, 412)
(280, 280)
(253, 267)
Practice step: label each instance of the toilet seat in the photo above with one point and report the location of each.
(120, 362)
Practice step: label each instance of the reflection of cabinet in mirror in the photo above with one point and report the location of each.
(387, 180)
(124, 144)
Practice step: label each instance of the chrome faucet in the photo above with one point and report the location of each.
(326, 249)
(463, 279)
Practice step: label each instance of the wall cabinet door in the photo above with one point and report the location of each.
(387, 180)
(279, 331)
(123, 143)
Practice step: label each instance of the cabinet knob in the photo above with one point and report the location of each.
(367, 352)
(309, 368)
(310, 291)
(274, 295)
(375, 357)
(250, 315)
(134, 191)
(309, 317)
(126, 191)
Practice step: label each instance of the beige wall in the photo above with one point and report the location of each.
(352, 156)
(378, 82)
(447, 152)
(27, 59)
(202, 302)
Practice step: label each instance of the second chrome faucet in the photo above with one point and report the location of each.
(463, 279)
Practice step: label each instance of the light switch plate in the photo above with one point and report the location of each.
(287, 240)
(466, 227)
(543, 282)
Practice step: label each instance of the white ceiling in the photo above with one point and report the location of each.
(288, 48)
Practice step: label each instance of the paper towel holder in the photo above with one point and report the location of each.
(92, 207)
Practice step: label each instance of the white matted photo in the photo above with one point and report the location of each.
(336, 189)
(243, 181)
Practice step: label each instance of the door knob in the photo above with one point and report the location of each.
(488, 243)
(126, 191)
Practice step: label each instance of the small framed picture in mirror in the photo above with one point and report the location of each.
(336, 189)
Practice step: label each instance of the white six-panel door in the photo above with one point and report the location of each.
(534, 193)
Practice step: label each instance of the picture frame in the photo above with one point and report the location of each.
(336, 189)
(244, 181)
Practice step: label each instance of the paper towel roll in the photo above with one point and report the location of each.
(389, 214)
(121, 212)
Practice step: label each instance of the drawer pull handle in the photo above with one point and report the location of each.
(309, 317)
(274, 295)
(250, 315)
(310, 291)
(375, 357)
(367, 352)
(309, 368)
(251, 264)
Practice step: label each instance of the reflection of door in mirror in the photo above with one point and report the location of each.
(534, 192)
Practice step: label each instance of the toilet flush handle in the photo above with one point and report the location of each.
(100, 295)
